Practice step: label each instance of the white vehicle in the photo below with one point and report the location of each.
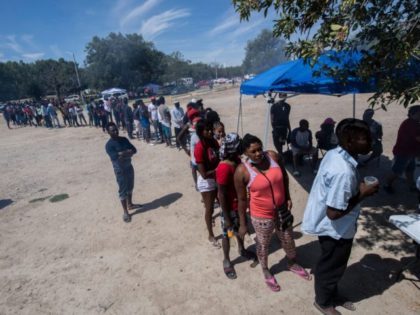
(72, 98)
(114, 92)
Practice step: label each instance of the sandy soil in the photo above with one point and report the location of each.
(77, 256)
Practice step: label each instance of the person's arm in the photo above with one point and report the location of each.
(280, 161)
(293, 139)
(203, 172)
(180, 136)
(111, 151)
(222, 194)
(129, 152)
(241, 179)
(364, 191)
(310, 138)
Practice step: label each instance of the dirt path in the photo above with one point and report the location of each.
(76, 256)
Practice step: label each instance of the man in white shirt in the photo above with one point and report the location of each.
(177, 115)
(165, 120)
(333, 208)
(153, 111)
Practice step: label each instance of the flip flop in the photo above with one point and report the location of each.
(215, 244)
(230, 272)
(272, 284)
(300, 271)
(345, 303)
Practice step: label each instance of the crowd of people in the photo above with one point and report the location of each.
(239, 175)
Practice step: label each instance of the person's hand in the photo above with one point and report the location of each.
(289, 205)
(242, 231)
(368, 190)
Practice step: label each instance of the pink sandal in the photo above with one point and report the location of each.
(272, 284)
(300, 271)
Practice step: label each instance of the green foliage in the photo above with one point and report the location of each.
(43, 77)
(264, 52)
(387, 30)
(126, 61)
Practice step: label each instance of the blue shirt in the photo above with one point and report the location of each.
(113, 147)
(336, 182)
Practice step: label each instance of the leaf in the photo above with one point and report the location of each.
(335, 27)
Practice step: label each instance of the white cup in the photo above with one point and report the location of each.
(371, 180)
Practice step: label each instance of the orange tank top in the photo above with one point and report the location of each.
(261, 200)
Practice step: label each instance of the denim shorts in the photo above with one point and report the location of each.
(125, 181)
(403, 164)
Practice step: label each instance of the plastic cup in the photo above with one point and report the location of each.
(371, 180)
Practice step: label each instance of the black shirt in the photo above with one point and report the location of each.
(280, 112)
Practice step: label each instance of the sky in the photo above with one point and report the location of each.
(203, 31)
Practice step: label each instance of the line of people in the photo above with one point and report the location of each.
(252, 187)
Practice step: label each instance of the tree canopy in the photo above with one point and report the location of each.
(264, 52)
(117, 60)
(387, 32)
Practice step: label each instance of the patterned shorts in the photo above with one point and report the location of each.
(234, 218)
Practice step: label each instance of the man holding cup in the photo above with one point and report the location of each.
(333, 208)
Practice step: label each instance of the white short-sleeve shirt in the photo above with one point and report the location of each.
(336, 182)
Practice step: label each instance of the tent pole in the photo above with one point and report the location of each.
(267, 122)
(354, 105)
(239, 112)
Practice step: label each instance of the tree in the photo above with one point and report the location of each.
(264, 52)
(386, 31)
(126, 61)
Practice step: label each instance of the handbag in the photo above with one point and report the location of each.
(284, 216)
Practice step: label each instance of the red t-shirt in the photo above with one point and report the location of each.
(211, 160)
(406, 144)
(224, 176)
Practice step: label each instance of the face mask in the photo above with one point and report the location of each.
(251, 161)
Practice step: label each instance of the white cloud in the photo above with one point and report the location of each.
(56, 51)
(138, 11)
(225, 25)
(155, 25)
(13, 44)
(28, 39)
(120, 5)
(33, 56)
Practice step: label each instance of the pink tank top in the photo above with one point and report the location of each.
(261, 201)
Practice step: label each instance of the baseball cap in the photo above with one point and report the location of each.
(329, 121)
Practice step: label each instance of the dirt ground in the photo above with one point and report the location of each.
(77, 256)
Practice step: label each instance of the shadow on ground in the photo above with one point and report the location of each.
(163, 201)
(5, 202)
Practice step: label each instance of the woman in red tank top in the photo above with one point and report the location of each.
(266, 180)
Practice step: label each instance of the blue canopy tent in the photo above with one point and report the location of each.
(298, 77)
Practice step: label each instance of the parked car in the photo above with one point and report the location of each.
(119, 95)
(202, 83)
(72, 98)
